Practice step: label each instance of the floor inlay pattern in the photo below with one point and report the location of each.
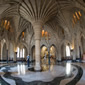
(51, 77)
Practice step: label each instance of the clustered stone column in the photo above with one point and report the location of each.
(73, 55)
(37, 30)
(59, 54)
(77, 47)
(7, 55)
(33, 12)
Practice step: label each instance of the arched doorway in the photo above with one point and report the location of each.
(33, 54)
(4, 53)
(52, 54)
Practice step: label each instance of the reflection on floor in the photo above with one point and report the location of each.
(46, 61)
(60, 74)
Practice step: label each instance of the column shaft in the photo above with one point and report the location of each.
(37, 55)
(37, 30)
(59, 54)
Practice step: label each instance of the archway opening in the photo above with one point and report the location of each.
(44, 55)
(52, 54)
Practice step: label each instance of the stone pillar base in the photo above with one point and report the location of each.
(37, 67)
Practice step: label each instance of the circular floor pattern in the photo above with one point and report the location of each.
(28, 77)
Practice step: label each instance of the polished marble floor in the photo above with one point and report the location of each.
(64, 73)
(46, 61)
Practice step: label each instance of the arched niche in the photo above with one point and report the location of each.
(53, 54)
(4, 52)
(44, 51)
(44, 54)
(53, 51)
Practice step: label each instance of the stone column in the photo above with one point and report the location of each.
(77, 48)
(73, 55)
(84, 46)
(64, 51)
(59, 54)
(49, 56)
(7, 55)
(11, 51)
(37, 31)
(15, 56)
(1, 51)
(7, 52)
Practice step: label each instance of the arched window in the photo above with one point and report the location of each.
(67, 50)
(20, 53)
(18, 50)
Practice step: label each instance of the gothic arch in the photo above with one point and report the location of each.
(56, 50)
(63, 48)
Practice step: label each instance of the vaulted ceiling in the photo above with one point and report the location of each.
(61, 16)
